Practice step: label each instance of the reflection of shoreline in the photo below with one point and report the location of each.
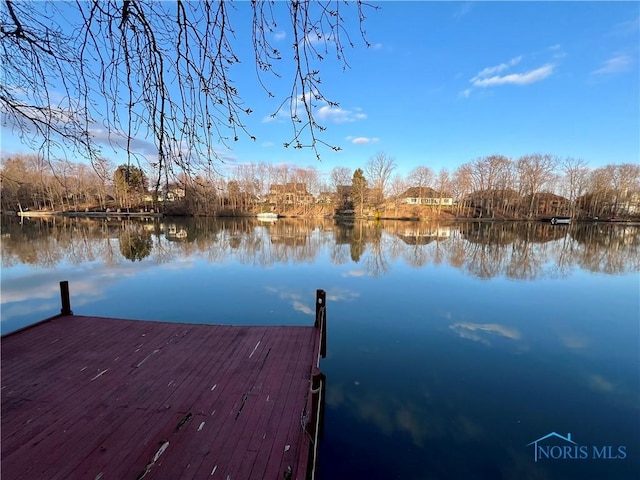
(518, 250)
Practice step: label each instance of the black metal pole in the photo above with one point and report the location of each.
(321, 320)
(64, 298)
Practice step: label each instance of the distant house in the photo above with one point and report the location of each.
(174, 193)
(425, 196)
(293, 193)
(630, 205)
(324, 197)
(488, 201)
(171, 194)
(547, 203)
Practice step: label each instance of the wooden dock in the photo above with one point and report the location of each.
(101, 398)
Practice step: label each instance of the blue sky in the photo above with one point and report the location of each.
(446, 82)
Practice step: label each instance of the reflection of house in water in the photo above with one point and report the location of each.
(424, 234)
(288, 233)
(175, 232)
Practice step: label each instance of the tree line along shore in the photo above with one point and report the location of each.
(494, 187)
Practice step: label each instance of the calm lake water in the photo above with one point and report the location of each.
(451, 348)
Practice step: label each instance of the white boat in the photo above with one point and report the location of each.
(267, 216)
(560, 220)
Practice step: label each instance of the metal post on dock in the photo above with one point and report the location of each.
(321, 320)
(315, 425)
(64, 298)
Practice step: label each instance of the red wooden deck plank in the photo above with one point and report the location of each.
(231, 440)
(88, 396)
(283, 423)
(280, 389)
(44, 408)
(188, 453)
(266, 440)
(165, 423)
(57, 398)
(236, 411)
(150, 364)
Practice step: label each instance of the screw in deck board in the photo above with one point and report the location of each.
(64, 298)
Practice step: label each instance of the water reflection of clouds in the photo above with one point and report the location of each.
(300, 302)
(483, 332)
(296, 300)
(422, 421)
(29, 295)
(598, 382)
(354, 273)
(574, 341)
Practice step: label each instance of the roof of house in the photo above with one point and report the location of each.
(424, 192)
(289, 187)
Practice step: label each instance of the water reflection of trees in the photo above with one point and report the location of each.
(481, 249)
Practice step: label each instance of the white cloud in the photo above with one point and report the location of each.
(497, 69)
(316, 39)
(280, 36)
(339, 115)
(118, 140)
(557, 51)
(465, 93)
(525, 78)
(268, 144)
(362, 140)
(617, 64)
(376, 46)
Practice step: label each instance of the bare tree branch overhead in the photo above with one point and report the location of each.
(165, 71)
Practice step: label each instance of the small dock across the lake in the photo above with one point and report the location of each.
(103, 398)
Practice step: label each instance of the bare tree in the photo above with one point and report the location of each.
(397, 186)
(421, 177)
(443, 184)
(378, 171)
(340, 176)
(576, 174)
(462, 186)
(162, 71)
(534, 172)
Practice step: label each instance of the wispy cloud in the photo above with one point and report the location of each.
(557, 51)
(327, 113)
(524, 78)
(118, 140)
(462, 10)
(616, 64)
(495, 75)
(362, 140)
(497, 68)
(628, 27)
(280, 36)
